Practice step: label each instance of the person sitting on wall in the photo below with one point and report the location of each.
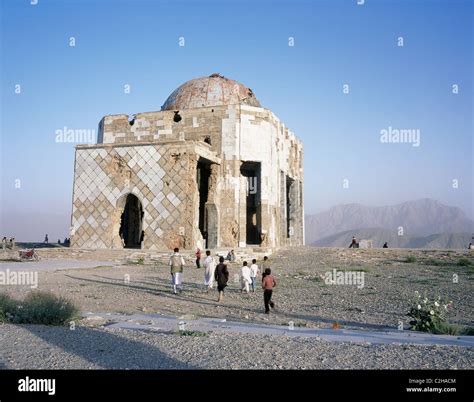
(354, 243)
(230, 256)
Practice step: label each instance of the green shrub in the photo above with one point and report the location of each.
(7, 306)
(38, 308)
(430, 316)
(410, 259)
(464, 262)
(468, 331)
(444, 328)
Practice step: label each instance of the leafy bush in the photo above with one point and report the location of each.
(445, 328)
(430, 316)
(7, 305)
(410, 259)
(38, 308)
(468, 331)
(464, 262)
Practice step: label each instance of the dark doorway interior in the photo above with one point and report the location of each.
(212, 225)
(131, 222)
(290, 186)
(252, 170)
(202, 177)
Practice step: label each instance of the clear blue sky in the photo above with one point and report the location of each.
(336, 43)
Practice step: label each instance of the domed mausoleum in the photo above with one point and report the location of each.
(212, 169)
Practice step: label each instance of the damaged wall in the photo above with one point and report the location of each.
(154, 156)
(203, 124)
(160, 176)
(265, 139)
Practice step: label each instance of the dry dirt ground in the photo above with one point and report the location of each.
(301, 296)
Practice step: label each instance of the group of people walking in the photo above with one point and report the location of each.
(219, 274)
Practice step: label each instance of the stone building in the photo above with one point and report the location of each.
(211, 169)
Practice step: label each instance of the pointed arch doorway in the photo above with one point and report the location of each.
(131, 222)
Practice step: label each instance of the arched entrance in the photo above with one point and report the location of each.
(131, 222)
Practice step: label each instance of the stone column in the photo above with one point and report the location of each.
(212, 211)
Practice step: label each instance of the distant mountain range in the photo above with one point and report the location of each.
(380, 236)
(426, 224)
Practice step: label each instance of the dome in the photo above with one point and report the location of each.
(214, 90)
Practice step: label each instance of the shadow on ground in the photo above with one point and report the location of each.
(106, 350)
(165, 291)
(162, 288)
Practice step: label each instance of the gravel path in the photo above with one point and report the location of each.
(154, 322)
(52, 265)
(39, 347)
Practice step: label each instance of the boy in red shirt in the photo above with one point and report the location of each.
(268, 283)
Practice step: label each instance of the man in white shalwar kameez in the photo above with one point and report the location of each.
(245, 278)
(209, 268)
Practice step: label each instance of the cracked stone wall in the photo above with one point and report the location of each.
(161, 178)
(265, 138)
(155, 157)
(194, 125)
